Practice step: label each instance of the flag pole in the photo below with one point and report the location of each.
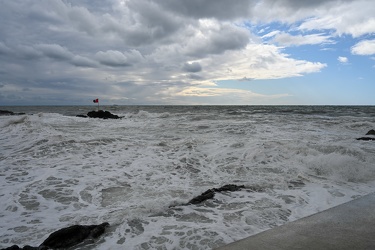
(96, 101)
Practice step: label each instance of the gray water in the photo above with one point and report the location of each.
(137, 173)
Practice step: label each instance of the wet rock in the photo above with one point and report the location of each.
(33, 248)
(6, 112)
(229, 187)
(82, 116)
(210, 193)
(102, 114)
(296, 184)
(366, 139)
(67, 237)
(73, 235)
(15, 247)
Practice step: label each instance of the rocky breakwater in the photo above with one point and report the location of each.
(210, 193)
(7, 112)
(67, 237)
(100, 114)
(370, 136)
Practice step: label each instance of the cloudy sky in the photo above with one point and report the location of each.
(64, 52)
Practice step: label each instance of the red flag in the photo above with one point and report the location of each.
(95, 100)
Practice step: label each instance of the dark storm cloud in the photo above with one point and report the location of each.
(297, 4)
(156, 92)
(195, 77)
(27, 52)
(144, 23)
(118, 59)
(192, 67)
(217, 40)
(81, 61)
(55, 51)
(54, 46)
(112, 58)
(220, 9)
(4, 50)
(155, 19)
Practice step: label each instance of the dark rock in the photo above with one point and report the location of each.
(34, 248)
(6, 112)
(230, 188)
(67, 237)
(71, 236)
(82, 116)
(366, 139)
(102, 114)
(210, 193)
(15, 247)
(370, 132)
(296, 184)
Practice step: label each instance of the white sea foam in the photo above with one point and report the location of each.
(137, 172)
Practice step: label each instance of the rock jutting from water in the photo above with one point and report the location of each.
(100, 114)
(7, 112)
(210, 193)
(368, 138)
(67, 237)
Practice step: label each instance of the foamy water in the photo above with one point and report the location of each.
(58, 170)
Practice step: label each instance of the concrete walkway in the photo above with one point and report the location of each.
(346, 227)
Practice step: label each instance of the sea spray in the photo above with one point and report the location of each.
(58, 170)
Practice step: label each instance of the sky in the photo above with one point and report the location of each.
(187, 52)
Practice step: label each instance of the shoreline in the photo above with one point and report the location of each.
(346, 226)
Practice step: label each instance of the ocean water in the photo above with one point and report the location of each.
(138, 173)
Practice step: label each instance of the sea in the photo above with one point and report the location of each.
(139, 173)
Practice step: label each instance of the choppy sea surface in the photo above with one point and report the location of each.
(58, 170)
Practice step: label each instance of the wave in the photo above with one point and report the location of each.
(14, 121)
(58, 170)
(145, 114)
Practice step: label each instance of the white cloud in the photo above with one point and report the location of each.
(222, 95)
(289, 40)
(350, 17)
(159, 44)
(365, 47)
(343, 59)
(271, 34)
(258, 61)
(355, 18)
